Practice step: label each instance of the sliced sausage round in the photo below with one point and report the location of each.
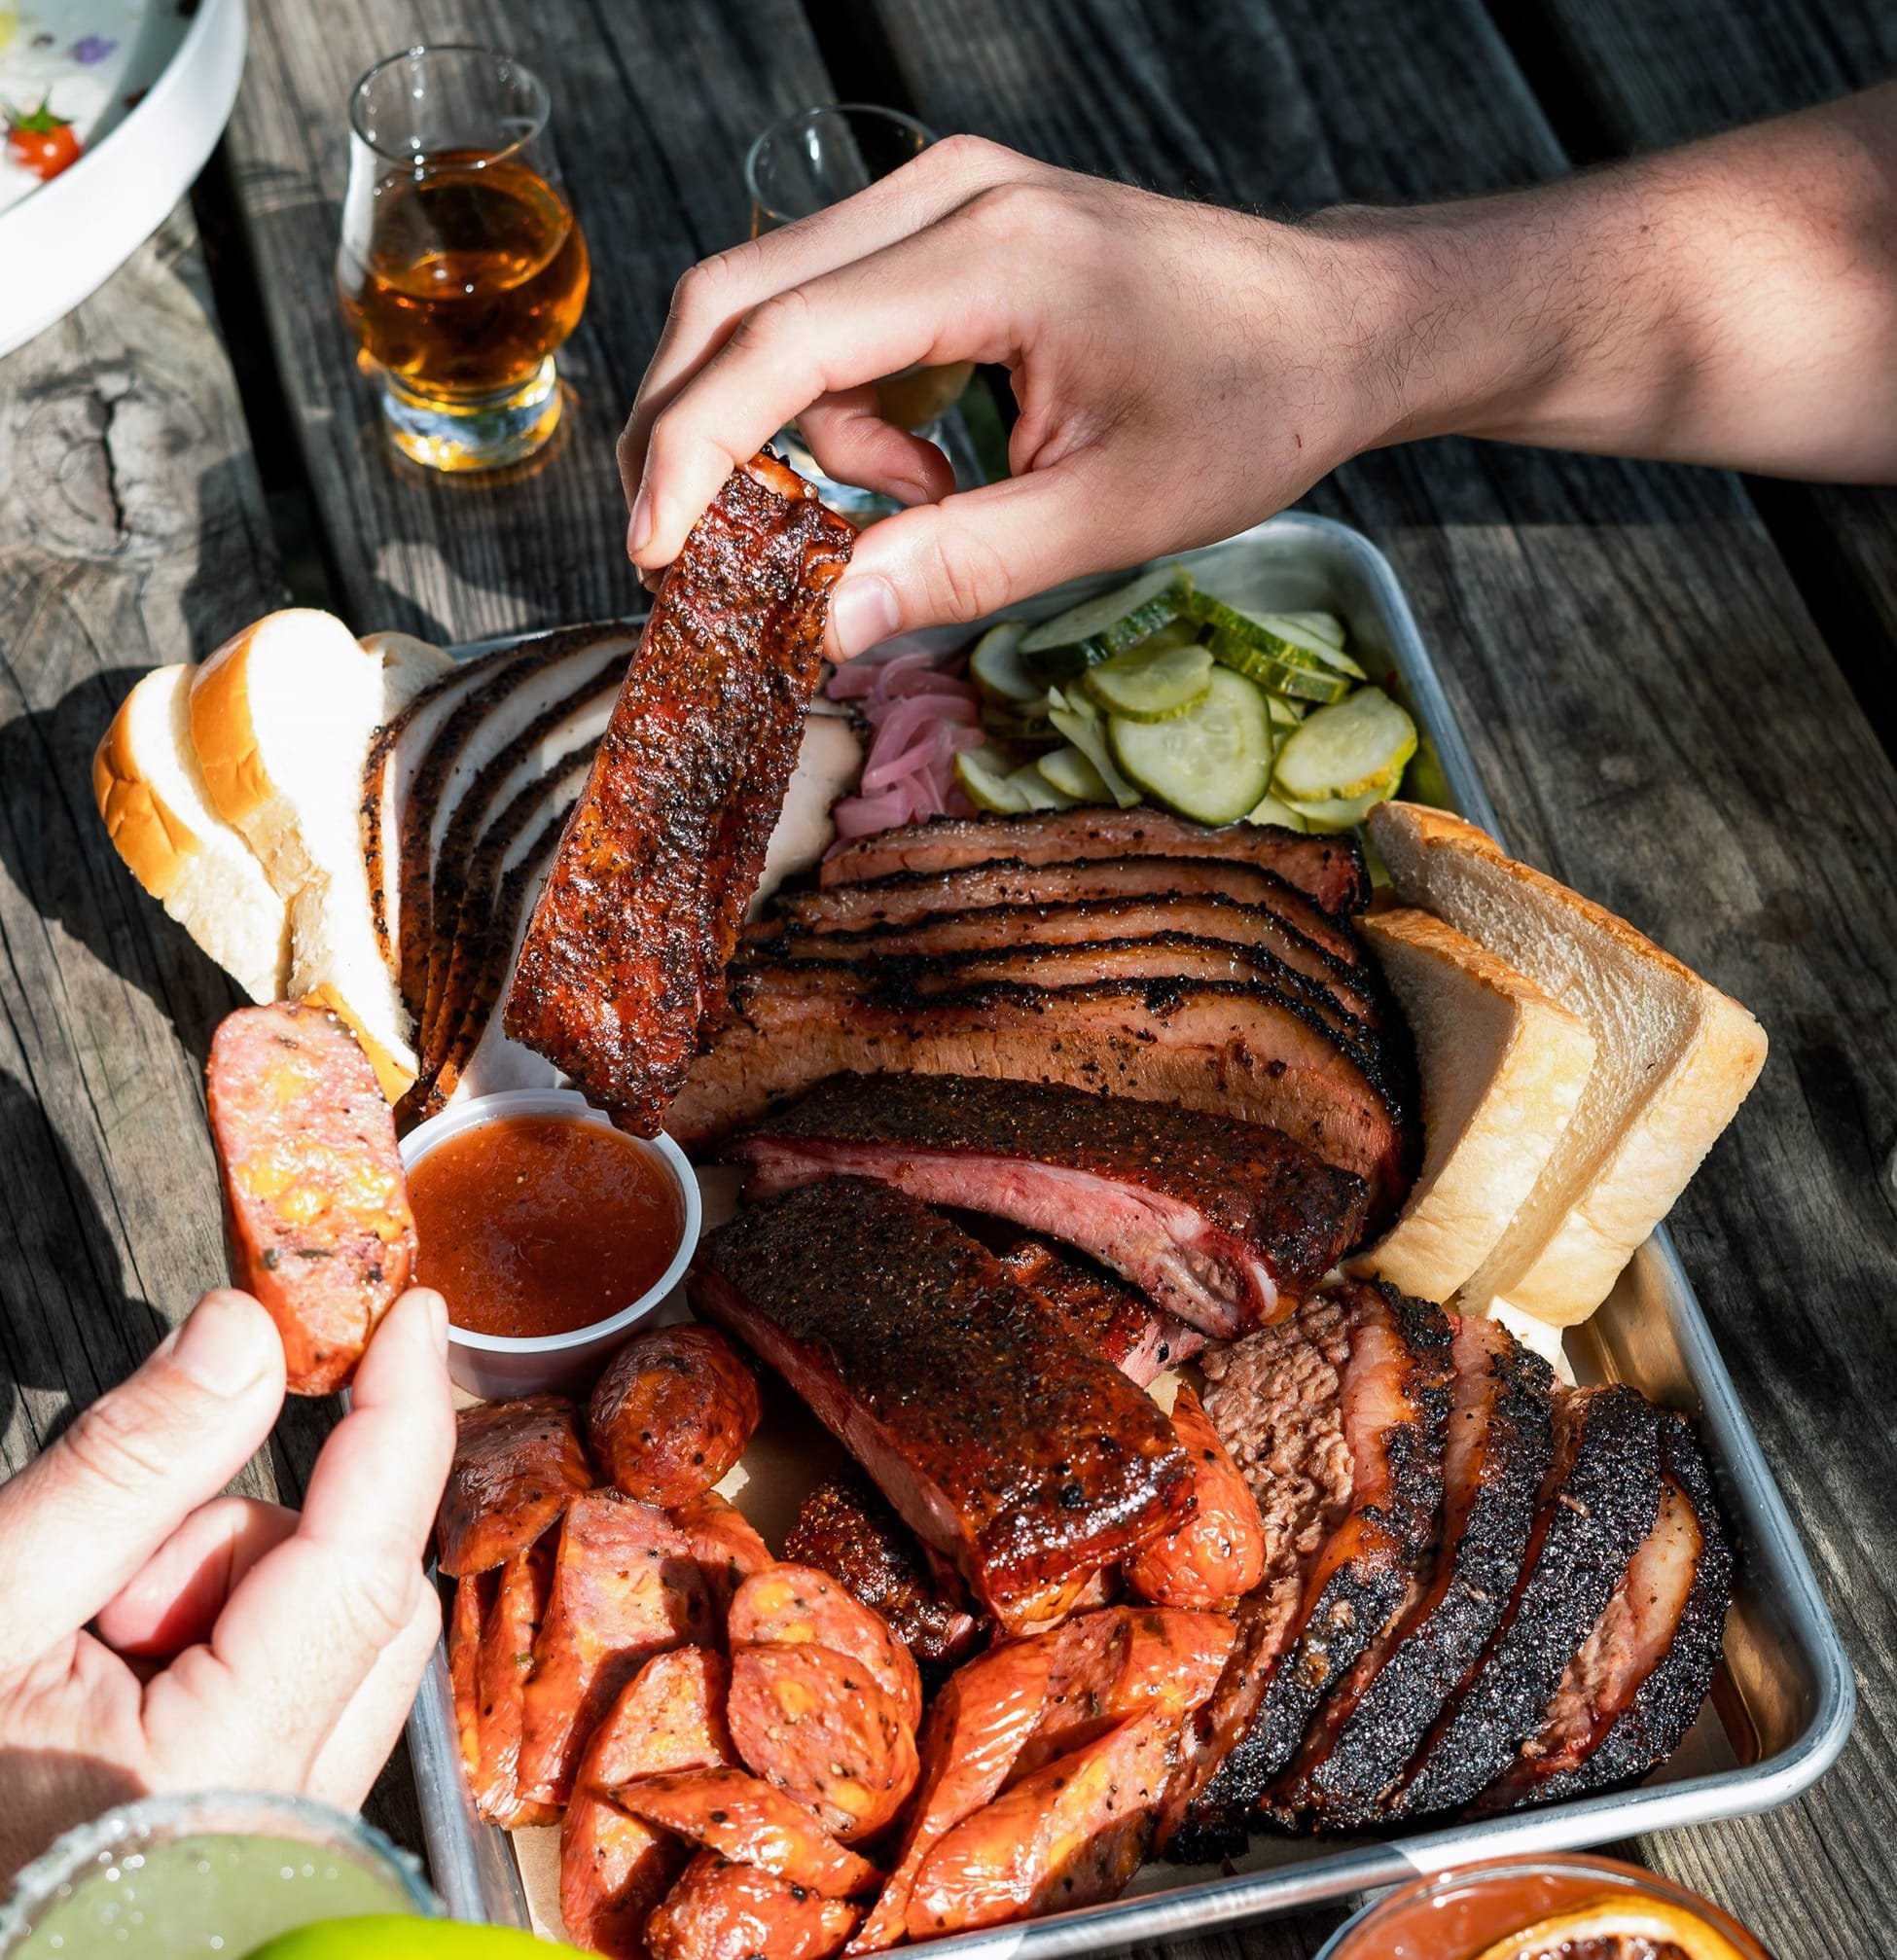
(798, 1603)
(724, 1911)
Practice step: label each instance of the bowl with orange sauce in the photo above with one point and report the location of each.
(1568, 1906)
(550, 1234)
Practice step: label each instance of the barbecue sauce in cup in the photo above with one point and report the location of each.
(532, 1225)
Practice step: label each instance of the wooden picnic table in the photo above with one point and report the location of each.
(1675, 682)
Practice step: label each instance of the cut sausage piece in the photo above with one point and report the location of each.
(1122, 1662)
(672, 1413)
(847, 1529)
(1601, 1500)
(745, 1819)
(1071, 1834)
(725, 1546)
(464, 1621)
(1331, 869)
(817, 1724)
(1500, 1442)
(516, 1467)
(977, 1726)
(625, 1588)
(507, 1638)
(615, 1869)
(1218, 1554)
(719, 1911)
(1223, 1224)
(1393, 1401)
(316, 1211)
(1632, 1693)
(905, 897)
(798, 1603)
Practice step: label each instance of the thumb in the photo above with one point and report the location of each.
(80, 1519)
(973, 554)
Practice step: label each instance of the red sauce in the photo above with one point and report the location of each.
(539, 1224)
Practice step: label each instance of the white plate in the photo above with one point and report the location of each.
(59, 241)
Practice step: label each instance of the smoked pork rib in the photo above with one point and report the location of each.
(625, 950)
(1098, 1308)
(1007, 1446)
(1223, 1224)
(1235, 1051)
(1331, 869)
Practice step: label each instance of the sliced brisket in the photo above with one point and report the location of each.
(1223, 1224)
(1600, 1501)
(1331, 869)
(998, 1438)
(627, 949)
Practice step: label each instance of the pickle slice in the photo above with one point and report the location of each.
(1345, 750)
(1213, 763)
(1097, 629)
(1150, 683)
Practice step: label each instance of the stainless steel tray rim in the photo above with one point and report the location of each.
(473, 1862)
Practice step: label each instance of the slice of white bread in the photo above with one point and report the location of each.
(283, 716)
(1674, 1059)
(152, 794)
(1502, 1067)
(409, 665)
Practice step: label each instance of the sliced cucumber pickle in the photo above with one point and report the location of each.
(1271, 810)
(1211, 763)
(1277, 636)
(1083, 725)
(1036, 792)
(1298, 682)
(1339, 813)
(1325, 627)
(1345, 750)
(995, 667)
(1069, 771)
(1150, 683)
(985, 777)
(1097, 629)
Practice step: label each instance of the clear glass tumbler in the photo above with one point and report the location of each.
(800, 166)
(461, 265)
(216, 1874)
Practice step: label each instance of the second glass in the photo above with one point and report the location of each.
(461, 267)
(799, 166)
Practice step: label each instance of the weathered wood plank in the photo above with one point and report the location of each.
(1616, 640)
(1651, 76)
(132, 534)
(654, 109)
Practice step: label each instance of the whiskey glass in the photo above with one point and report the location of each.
(461, 267)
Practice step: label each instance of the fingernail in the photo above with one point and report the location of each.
(638, 530)
(863, 614)
(222, 1346)
(910, 494)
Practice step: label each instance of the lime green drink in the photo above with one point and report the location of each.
(183, 1878)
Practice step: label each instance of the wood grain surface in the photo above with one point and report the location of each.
(1616, 639)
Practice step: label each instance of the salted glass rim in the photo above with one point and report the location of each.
(785, 123)
(180, 1814)
(542, 102)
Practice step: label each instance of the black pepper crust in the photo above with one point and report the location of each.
(1600, 1502)
(1049, 1461)
(1665, 1705)
(1249, 1183)
(624, 957)
(1358, 1751)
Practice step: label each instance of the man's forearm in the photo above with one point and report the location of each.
(1731, 302)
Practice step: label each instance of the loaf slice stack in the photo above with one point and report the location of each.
(1673, 1059)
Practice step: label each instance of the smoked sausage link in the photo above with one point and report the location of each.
(672, 1414)
(315, 1209)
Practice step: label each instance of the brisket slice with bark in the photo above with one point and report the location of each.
(1098, 1308)
(1336, 1419)
(625, 953)
(1232, 1051)
(1331, 869)
(1637, 1684)
(906, 897)
(998, 1438)
(1223, 1224)
(1368, 1728)
(1320, 977)
(1599, 1502)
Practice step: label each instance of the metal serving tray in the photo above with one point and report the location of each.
(1783, 1702)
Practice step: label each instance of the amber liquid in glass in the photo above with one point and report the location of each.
(475, 271)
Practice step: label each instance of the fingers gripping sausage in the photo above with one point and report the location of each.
(316, 1212)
